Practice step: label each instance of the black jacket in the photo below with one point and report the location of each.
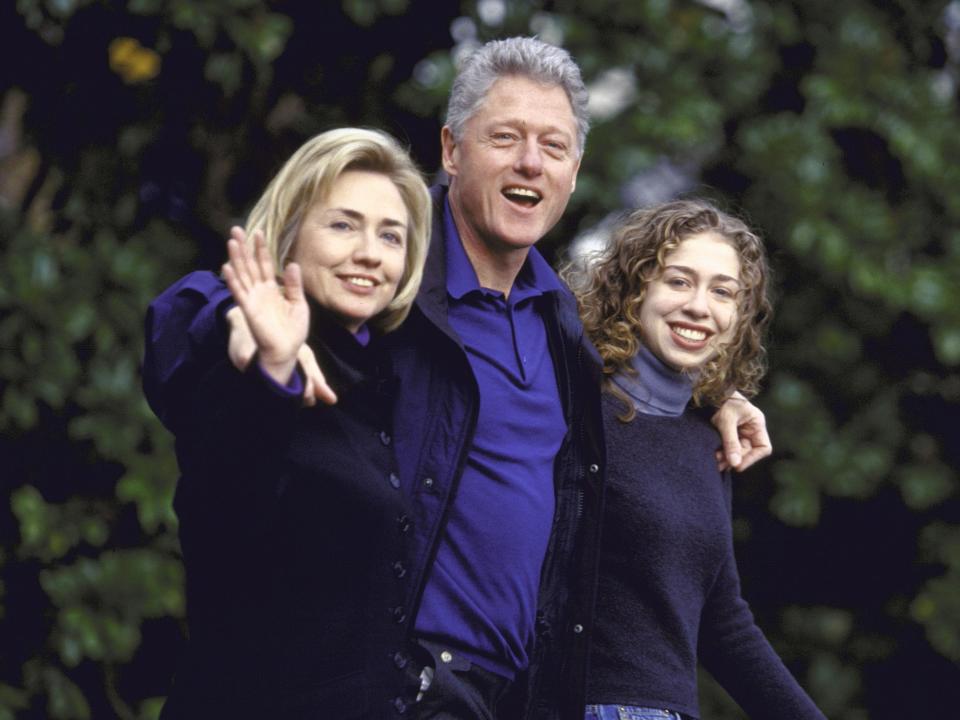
(436, 416)
(292, 527)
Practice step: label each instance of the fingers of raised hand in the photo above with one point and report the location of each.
(293, 283)
(264, 263)
(241, 345)
(249, 266)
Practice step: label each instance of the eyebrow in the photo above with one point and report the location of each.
(356, 215)
(690, 271)
(515, 122)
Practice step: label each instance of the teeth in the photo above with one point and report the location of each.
(689, 334)
(361, 282)
(522, 192)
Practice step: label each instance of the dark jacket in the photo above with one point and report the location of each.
(436, 417)
(291, 524)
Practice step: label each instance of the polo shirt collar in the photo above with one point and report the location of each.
(536, 277)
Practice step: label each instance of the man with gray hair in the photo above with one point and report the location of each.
(499, 439)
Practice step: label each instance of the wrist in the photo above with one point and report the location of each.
(280, 370)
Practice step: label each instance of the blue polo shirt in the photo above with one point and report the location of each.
(481, 597)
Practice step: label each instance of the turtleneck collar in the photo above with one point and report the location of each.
(345, 358)
(656, 389)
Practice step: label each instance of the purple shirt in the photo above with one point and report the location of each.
(481, 597)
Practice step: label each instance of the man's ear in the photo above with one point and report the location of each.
(573, 183)
(449, 147)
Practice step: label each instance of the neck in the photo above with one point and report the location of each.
(497, 266)
(655, 389)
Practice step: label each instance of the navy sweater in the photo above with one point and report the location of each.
(669, 591)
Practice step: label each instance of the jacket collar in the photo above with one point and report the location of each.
(432, 297)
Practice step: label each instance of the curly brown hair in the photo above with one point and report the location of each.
(610, 287)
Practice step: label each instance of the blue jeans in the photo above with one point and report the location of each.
(628, 712)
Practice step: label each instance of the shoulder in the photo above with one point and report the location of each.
(191, 306)
(696, 422)
(196, 289)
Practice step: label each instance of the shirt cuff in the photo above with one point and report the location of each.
(293, 387)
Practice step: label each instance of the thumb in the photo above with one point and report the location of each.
(731, 444)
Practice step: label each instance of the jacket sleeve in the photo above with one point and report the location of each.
(190, 382)
(740, 657)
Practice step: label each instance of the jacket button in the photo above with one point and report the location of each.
(394, 480)
(400, 705)
(403, 523)
(398, 569)
(384, 437)
(428, 482)
(594, 468)
(398, 614)
(400, 660)
(578, 628)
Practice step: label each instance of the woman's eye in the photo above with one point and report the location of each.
(340, 225)
(393, 238)
(677, 282)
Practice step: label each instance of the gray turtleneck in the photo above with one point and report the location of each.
(656, 389)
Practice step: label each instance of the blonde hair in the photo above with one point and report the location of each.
(611, 286)
(309, 175)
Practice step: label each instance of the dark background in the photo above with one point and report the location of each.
(132, 134)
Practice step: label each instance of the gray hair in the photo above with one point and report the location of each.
(525, 56)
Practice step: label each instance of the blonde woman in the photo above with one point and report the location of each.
(291, 516)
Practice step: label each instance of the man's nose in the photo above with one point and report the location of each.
(530, 158)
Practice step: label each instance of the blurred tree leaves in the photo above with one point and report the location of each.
(833, 128)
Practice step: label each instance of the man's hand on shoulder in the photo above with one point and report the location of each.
(743, 429)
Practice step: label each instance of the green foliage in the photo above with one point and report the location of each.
(69, 348)
(102, 602)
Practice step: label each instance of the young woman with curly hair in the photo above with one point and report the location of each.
(677, 306)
